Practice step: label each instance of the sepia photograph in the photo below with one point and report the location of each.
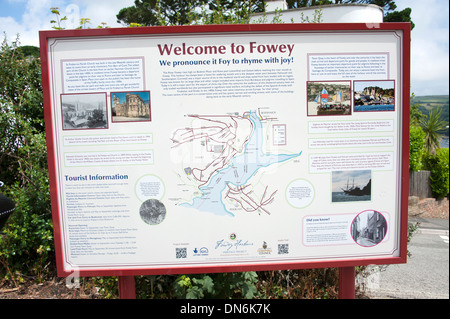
(84, 111)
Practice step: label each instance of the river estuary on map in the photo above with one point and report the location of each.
(238, 172)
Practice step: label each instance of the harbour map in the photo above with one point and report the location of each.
(234, 153)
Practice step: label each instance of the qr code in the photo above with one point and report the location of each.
(283, 249)
(181, 252)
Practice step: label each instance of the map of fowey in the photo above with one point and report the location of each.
(221, 154)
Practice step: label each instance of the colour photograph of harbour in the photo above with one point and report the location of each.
(372, 96)
(351, 186)
(329, 98)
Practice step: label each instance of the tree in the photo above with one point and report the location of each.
(26, 242)
(159, 12)
(231, 11)
(399, 16)
(415, 113)
(181, 12)
(433, 126)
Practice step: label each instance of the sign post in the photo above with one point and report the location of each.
(227, 148)
(127, 288)
(346, 283)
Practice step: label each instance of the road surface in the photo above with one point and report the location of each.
(424, 276)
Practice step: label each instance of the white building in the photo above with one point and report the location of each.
(342, 13)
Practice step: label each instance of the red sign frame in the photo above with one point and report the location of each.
(47, 36)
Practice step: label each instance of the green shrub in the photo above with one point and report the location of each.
(416, 148)
(26, 241)
(221, 285)
(437, 164)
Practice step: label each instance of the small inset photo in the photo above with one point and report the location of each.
(84, 111)
(351, 186)
(152, 212)
(329, 98)
(130, 106)
(374, 96)
(369, 228)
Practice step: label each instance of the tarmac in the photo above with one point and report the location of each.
(437, 226)
(411, 280)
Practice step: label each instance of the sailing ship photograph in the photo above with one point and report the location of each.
(372, 96)
(351, 186)
(329, 98)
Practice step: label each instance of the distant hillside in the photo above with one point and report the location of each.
(29, 50)
(431, 101)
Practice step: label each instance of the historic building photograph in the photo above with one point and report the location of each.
(369, 228)
(84, 111)
(130, 106)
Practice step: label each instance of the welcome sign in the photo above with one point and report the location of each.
(227, 148)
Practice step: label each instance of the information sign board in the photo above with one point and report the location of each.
(227, 148)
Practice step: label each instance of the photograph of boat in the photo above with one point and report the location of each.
(357, 191)
(329, 98)
(351, 186)
(374, 96)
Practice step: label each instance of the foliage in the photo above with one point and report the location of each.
(437, 164)
(181, 12)
(59, 19)
(26, 242)
(433, 126)
(282, 284)
(228, 12)
(400, 16)
(319, 283)
(29, 51)
(429, 102)
(156, 12)
(416, 147)
(161, 12)
(57, 24)
(415, 114)
(425, 134)
(221, 285)
(155, 287)
(108, 286)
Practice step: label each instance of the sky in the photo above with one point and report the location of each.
(429, 39)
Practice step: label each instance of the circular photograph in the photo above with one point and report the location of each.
(152, 211)
(369, 228)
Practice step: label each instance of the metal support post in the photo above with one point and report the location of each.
(346, 283)
(127, 288)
